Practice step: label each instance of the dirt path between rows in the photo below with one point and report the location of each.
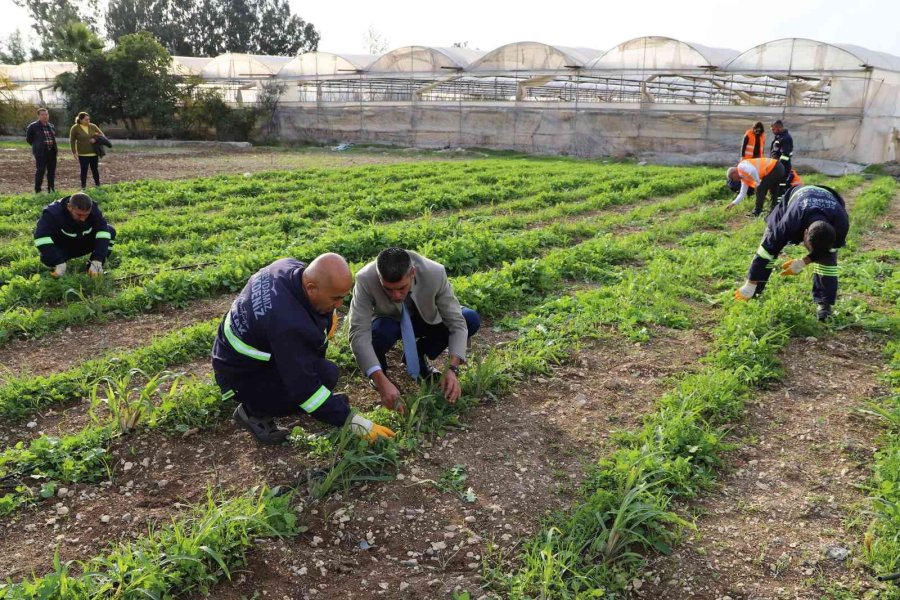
(780, 525)
(524, 455)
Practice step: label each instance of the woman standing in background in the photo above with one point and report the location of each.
(82, 138)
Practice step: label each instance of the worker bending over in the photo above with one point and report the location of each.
(763, 174)
(811, 215)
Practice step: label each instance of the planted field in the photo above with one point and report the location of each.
(614, 404)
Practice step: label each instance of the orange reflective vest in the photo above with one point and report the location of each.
(753, 145)
(753, 170)
(794, 179)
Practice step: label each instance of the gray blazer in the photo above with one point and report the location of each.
(432, 295)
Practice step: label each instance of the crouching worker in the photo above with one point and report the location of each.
(403, 296)
(269, 354)
(70, 227)
(814, 216)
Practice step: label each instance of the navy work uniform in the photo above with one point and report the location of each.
(269, 354)
(59, 237)
(801, 207)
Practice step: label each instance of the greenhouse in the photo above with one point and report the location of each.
(645, 95)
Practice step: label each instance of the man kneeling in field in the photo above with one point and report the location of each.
(269, 354)
(405, 296)
(70, 227)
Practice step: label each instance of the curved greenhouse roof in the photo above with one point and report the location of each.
(534, 56)
(314, 64)
(800, 54)
(423, 59)
(661, 53)
(242, 66)
(39, 71)
(188, 65)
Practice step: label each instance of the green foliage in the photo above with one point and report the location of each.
(213, 27)
(128, 83)
(187, 556)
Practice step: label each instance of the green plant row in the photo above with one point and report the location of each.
(181, 245)
(228, 273)
(597, 547)
(187, 556)
(493, 292)
(35, 290)
(120, 403)
(23, 395)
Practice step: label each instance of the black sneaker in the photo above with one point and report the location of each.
(264, 430)
(823, 312)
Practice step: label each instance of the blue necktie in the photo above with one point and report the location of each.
(409, 343)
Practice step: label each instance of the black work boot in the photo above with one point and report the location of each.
(263, 429)
(823, 312)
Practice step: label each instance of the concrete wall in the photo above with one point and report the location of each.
(588, 130)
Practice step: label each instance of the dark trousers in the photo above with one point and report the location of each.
(45, 163)
(92, 162)
(263, 393)
(824, 287)
(431, 340)
(770, 184)
(82, 246)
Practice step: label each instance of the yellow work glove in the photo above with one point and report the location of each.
(365, 428)
(793, 267)
(745, 292)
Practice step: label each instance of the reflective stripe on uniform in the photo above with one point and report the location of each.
(87, 231)
(228, 395)
(316, 400)
(102, 235)
(43, 241)
(69, 234)
(763, 253)
(826, 270)
(783, 157)
(241, 347)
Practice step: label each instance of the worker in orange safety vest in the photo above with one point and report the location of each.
(763, 174)
(754, 142)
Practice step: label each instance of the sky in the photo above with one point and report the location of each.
(487, 24)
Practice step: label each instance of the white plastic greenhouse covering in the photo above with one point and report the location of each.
(533, 57)
(39, 71)
(421, 59)
(649, 94)
(188, 66)
(232, 66)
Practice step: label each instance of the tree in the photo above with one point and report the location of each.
(13, 52)
(75, 39)
(127, 83)
(211, 27)
(49, 19)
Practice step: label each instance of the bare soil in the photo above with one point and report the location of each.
(144, 162)
(524, 456)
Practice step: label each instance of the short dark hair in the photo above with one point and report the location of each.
(393, 264)
(759, 126)
(81, 201)
(821, 238)
(42, 109)
(778, 122)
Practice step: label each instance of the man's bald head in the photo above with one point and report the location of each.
(326, 281)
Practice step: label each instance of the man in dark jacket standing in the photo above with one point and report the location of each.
(782, 149)
(70, 227)
(816, 217)
(41, 134)
(269, 354)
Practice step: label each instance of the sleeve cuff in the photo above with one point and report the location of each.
(371, 370)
